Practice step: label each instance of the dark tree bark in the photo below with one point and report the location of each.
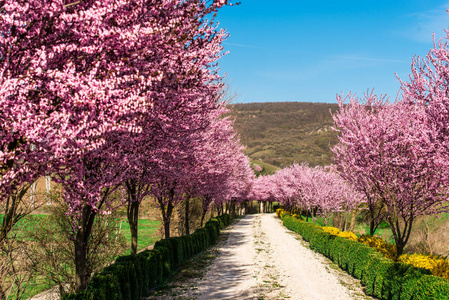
(82, 273)
(166, 211)
(81, 240)
(133, 219)
(186, 216)
(133, 213)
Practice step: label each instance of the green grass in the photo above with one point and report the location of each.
(147, 233)
(318, 221)
(383, 230)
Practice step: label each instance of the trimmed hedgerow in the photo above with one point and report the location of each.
(131, 276)
(381, 276)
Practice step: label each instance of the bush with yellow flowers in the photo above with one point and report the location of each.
(335, 231)
(439, 266)
(331, 230)
(297, 216)
(388, 250)
(279, 212)
(348, 234)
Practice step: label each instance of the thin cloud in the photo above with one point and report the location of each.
(425, 24)
(368, 59)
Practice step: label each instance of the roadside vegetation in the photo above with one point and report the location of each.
(40, 253)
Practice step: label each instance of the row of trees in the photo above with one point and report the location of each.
(393, 157)
(115, 100)
(310, 191)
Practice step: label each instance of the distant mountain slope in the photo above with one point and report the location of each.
(281, 133)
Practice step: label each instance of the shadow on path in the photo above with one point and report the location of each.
(230, 277)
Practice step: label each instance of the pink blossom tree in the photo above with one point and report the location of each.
(428, 89)
(387, 152)
(224, 174)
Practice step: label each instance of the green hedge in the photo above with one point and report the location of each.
(131, 276)
(382, 277)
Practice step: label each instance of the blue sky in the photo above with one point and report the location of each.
(294, 50)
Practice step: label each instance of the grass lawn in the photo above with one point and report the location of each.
(383, 230)
(147, 234)
(318, 221)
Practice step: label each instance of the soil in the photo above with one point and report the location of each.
(258, 258)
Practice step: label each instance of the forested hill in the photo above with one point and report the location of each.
(281, 133)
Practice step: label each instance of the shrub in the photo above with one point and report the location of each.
(278, 212)
(382, 277)
(331, 230)
(387, 250)
(409, 282)
(348, 234)
(337, 232)
(431, 287)
(392, 283)
(105, 286)
(439, 266)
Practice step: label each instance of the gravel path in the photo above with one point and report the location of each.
(258, 258)
(263, 260)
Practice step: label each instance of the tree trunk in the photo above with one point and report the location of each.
(133, 213)
(352, 222)
(335, 220)
(167, 212)
(400, 249)
(133, 219)
(372, 228)
(202, 217)
(232, 210)
(186, 217)
(81, 240)
(167, 228)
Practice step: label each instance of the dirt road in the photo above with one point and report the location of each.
(263, 260)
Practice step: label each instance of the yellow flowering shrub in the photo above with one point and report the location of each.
(348, 234)
(283, 212)
(279, 211)
(331, 230)
(439, 266)
(388, 250)
(335, 231)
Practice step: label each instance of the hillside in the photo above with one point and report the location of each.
(285, 132)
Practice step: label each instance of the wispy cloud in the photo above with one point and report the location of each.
(368, 59)
(424, 24)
